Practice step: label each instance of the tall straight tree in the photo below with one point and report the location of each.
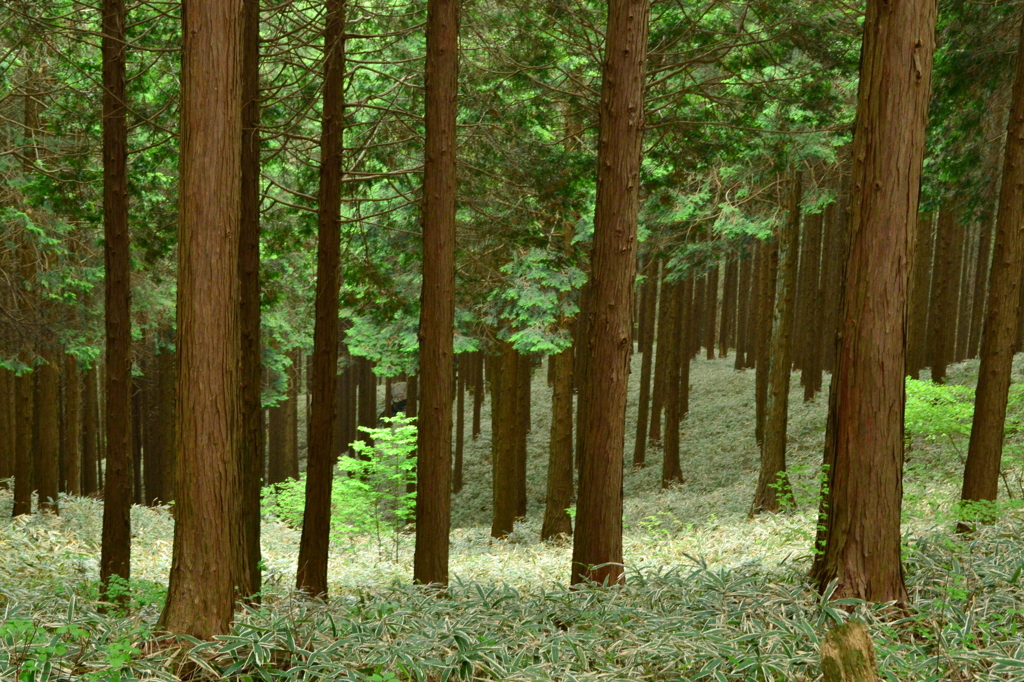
(860, 544)
(312, 571)
(115, 553)
(985, 452)
(208, 529)
(251, 441)
(597, 544)
(437, 298)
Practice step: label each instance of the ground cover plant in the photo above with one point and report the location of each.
(711, 594)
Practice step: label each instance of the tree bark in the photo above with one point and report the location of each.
(250, 386)
(115, 554)
(504, 403)
(964, 296)
(981, 275)
(727, 332)
(24, 395)
(676, 355)
(711, 312)
(773, 482)
(766, 305)
(478, 391)
(943, 295)
(311, 576)
(810, 264)
(663, 359)
(73, 427)
(920, 271)
(743, 306)
(90, 435)
(984, 454)
(208, 530)
(8, 429)
(460, 424)
(47, 448)
(864, 438)
(137, 436)
(597, 543)
(649, 301)
(522, 389)
(847, 654)
(559, 481)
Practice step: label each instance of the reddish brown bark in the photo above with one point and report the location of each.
(208, 526)
(460, 425)
(24, 395)
(648, 299)
(920, 278)
(559, 480)
(678, 301)
(597, 543)
(773, 482)
(478, 391)
(727, 331)
(7, 426)
(943, 301)
(504, 402)
(984, 455)
(864, 440)
(766, 303)
(980, 289)
(711, 312)
(47, 446)
(115, 555)
(810, 291)
(743, 295)
(311, 576)
(90, 433)
(663, 358)
(72, 427)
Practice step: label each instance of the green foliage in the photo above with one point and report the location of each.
(369, 494)
(938, 411)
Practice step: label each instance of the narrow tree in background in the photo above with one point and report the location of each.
(860, 545)
(311, 576)
(649, 301)
(727, 331)
(943, 301)
(985, 452)
(115, 555)
(981, 276)
(765, 308)
(597, 546)
(773, 482)
(47, 449)
(504, 402)
(743, 310)
(559, 480)
(662, 360)
(920, 269)
(675, 354)
(72, 426)
(208, 532)
(90, 432)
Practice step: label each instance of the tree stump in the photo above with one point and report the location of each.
(847, 654)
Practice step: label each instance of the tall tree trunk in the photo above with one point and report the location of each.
(73, 427)
(981, 274)
(311, 576)
(757, 275)
(90, 433)
(695, 325)
(711, 312)
(811, 308)
(250, 386)
(152, 450)
(943, 295)
(559, 482)
(597, 543)
(836, 251)
(137, 436)
(649, 302)
(115, 554)
(504, 403)
(8, 428)
(663, 359)
(727, 332)
(277, 444)
(965, 278)
(460, 423)
(773, 481)
(766, 304)
(676, 354)
(47, 449)
(478, 391)
(864, 439)
(522, 390)
(743, 295)
(208, 529)
(367, 411)
(583, 332)
(984, 454)
(24, 395)
(167, 399)
(920, 271)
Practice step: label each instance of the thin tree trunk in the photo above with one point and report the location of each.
(90, 435)
(981, 275)
(367, 411)
(695, 326)
(773, 482)
(152, 466)
(943, 295)
(115, 554)
(743, 295)
(138, 496)
(25, 391)
(597, 544)
(861, 541)
(522, 390)
(504, 403)
(251, 454)
(675, 355)
(47, 449)
(277, 446)
(460, 424)
(73, 427)
(984, 454)
(754, 315)
(478, 391)
(559, 481)
(920, 270)
(208, 529)
(769, 269)
(727, 332)
(649, 302)
(810, 264)
(311, 576)
(711, 312)
(8, 428)
(663, 360)
(965, 278)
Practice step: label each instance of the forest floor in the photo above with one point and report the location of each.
(711, 593)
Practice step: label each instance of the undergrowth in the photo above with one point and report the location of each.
(711, 595)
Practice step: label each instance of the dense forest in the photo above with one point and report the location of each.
(436, 340)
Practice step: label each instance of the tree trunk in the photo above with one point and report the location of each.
(981, 274)
(743, 294)
(47, 449)
(836, 250)
(367, 412)
(984, 454)
(965, 278)
(137, 436)
(8, 429)
(810, 289)
(695, 325)
(943, 295)
(766, 304)
(250, 386)
(115, 555)
(90, 435)
(72, 429)
(478, 391)
(847, 654)
(208, 529)
(504, 403)
(460, 423)
(756, 304)
(580, 370)
(277, 444)
(522, 389)
(711, 312)
(727, 332)
(152, 452)
(920, 271)
(597, 544)
(167, 441)
(648, 300)
(676, 355)
(773, 482)
(311, 576)
(559, 483)
(864, 439)
(663, 360)
(24, 396)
